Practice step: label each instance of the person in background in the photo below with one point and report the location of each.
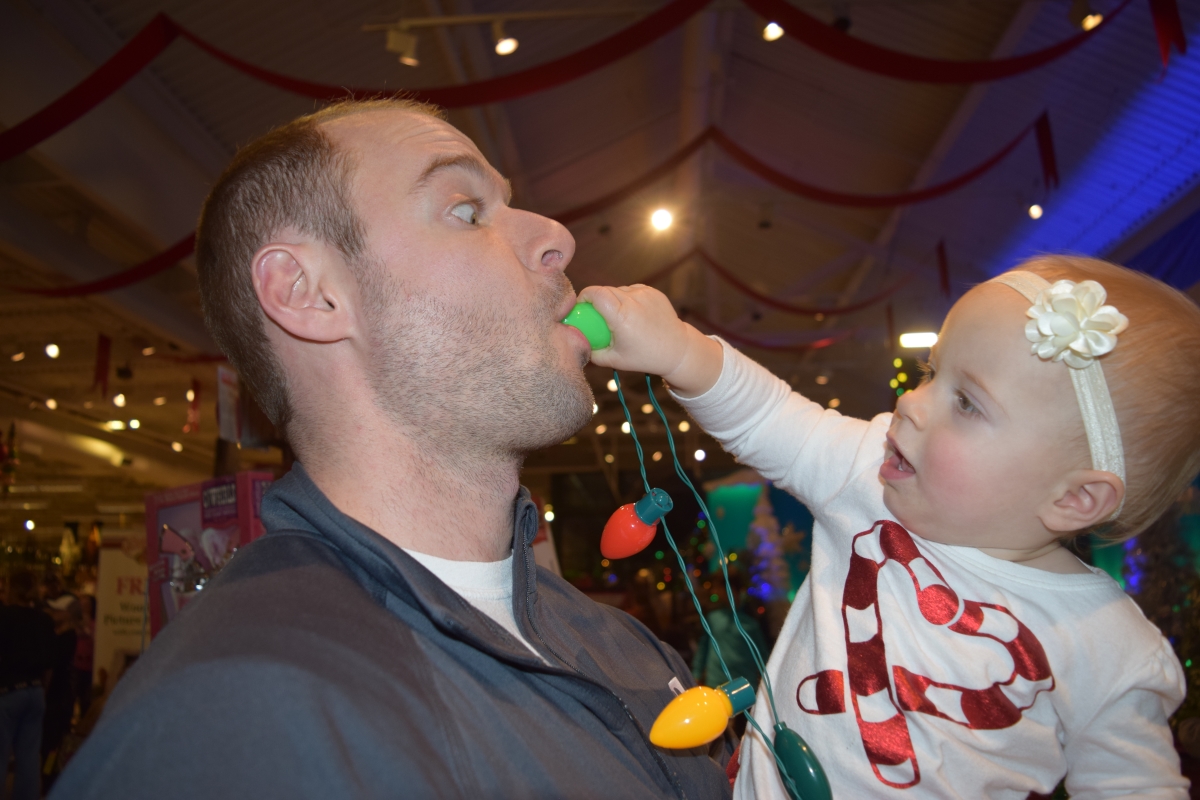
(26, 648)
(85, 647)
(60, 691)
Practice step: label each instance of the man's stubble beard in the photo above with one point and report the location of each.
(471, 384)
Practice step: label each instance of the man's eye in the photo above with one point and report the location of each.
(466, 212)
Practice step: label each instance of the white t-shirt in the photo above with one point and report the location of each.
(487, 585)
(919, 669)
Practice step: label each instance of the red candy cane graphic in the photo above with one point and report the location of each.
(880, 711)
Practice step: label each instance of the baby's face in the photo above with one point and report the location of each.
(978, 451)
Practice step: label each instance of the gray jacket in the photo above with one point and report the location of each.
(324, 662)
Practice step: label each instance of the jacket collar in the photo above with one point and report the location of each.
(294, 504)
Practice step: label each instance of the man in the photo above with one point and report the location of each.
(26, 654)
(391, 635)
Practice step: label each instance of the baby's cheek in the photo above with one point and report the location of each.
(953, 472)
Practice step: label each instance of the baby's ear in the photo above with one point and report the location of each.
(1087, 497)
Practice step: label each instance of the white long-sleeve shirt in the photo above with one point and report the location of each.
(919, 669)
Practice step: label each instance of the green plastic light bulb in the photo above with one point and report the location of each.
(587, 319)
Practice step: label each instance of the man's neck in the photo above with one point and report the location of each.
(452, 505)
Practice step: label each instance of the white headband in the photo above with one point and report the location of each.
(1069, 322)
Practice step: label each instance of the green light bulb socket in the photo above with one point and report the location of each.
(587, 319)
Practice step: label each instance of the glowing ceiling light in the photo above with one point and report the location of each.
(191, 395)
(148, 351)
(1091, 21)
(30, 525)
(135, 424)
(403, 44)
(160, 401)
(915, 340)
(685, 426)
(177, 447)
(18, 356)
(601, 429)
(700, 455)
(595, 407)
(647, 408)
(52, 350)
(119, 400)
(612, 384)
(657, 455)
(1036, 211)
(624, 427)
(834, 403)
(115, 425)
(661, 219)
(549, 516)
(772, 31)
(822, 380)
(51, 403)
(505, 45)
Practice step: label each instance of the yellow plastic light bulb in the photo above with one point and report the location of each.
(700, 715)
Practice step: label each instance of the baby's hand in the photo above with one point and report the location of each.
(648, 336)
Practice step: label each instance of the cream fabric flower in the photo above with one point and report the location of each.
(1069, 322)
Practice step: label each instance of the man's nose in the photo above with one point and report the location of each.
(543, 243)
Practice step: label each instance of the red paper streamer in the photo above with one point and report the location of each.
(1045, 143)
(493, 90)
(789, 308)
(151, 40)
(822, 195)
(139, 272)
(840, 46)
(745, 341)
(943, 268)
(1168, 28)
(103, 357)
(92, 90)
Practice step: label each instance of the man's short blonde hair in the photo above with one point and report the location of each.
(293, 177)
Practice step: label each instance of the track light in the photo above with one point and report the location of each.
(1036, 211)
(403, 44)
(1081, 15)
(505, 45)
(661, 219)
(772, 31)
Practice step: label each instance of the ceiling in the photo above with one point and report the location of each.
(127, 180)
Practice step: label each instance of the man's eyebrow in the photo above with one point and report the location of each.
(462, 161)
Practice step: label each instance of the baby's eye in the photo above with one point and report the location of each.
(964, 404)
(466, 212)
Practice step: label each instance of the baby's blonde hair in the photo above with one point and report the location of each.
(1153, 375)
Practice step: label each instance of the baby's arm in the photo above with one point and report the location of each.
(807, 450)
(1126, 749)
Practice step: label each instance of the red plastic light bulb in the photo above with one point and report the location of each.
(631, 528)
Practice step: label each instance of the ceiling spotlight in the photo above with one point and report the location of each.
(403, 44)
(1036, 211)
(119, 400)
(505, 45)
(135, 424)
(624, 427)
(52, 350)
(30, 525)
(661, 219)
(1081, 14)
(612, 384)
(51, 403)
(916, 340)
(822, 380)
(601, 429)
(160, 401)
(834, 403)
(18, 356)
(1091, 21)
(685, 426)
(177, 447)
(772, 31)
(191, 395)
(115, 425)
(595, 408)
(147, 351)
(700, 455)
(647, 408)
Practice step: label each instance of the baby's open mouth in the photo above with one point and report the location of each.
(897, 461)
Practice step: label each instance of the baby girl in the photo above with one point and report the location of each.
(946, 643)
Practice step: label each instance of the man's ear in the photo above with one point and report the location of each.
(1087, 498)
(301, 288)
